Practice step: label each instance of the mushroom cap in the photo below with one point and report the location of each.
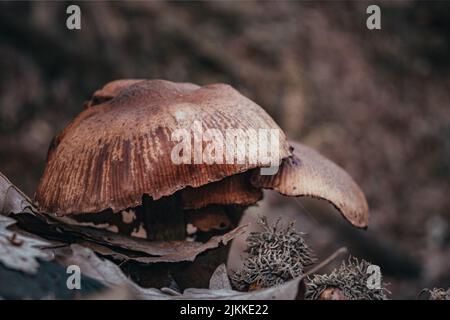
(233, 190)
(308, 173)
(112, 154)
(110, 90)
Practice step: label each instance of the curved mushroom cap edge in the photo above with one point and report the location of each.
(308, 173)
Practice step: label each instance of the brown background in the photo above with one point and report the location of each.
(376, 102)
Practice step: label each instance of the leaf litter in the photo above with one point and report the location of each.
(82, 245)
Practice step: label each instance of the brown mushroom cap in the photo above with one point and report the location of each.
(111, 155)
(110, 90)
(233, 190)
(308, 173)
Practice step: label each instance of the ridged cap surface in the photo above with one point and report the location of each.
(113, 153)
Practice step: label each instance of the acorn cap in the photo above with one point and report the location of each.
(308, 173)
(233, 190)
(112, 154)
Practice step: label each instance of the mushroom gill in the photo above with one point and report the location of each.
(233, 190)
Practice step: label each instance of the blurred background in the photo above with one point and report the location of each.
(375, 102)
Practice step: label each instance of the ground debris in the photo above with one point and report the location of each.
(275, 255)
(349, 281)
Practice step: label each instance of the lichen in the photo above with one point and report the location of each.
(350, 278)
(275, 255)
(437, 294)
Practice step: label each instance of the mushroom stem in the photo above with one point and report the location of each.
(163, 219)
(194, 274)
(198, 274)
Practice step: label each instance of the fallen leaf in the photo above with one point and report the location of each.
(158, 251)
(111, 276)
(219, 279)
(20, 252)
(12, 200)
(285, 291)
(48, 283)
(104, 271)
(119, 246)
(66, 229)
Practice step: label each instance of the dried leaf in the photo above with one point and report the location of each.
(12, 200)
(104, 271)
(48, 283)
(20, 252)
(111, 276)
(123, 247)
(115, 293)
(159, 251)
(285, 291)
(219, 279)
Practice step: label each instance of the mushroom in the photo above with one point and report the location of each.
(114, 163)
(112, 154)
(308, 173)
(109, 91)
